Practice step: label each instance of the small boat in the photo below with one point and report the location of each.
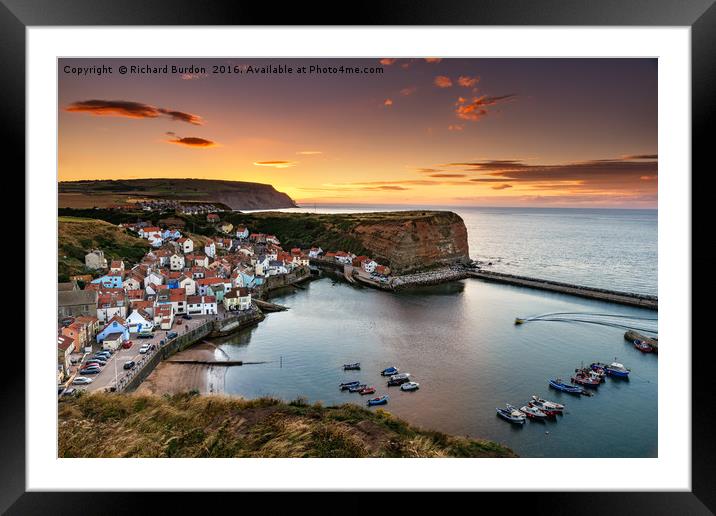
(351, 367)
(357, 388)
(557, 383)
(617, 369)
(399, 379)
(348, 385)
(587, 380)
(533, 412)
(512, 415)
(410, 386)
(366, 390)
(643, 346)
(380, 400)
(545, 405)
(547, 411)
(389, 371)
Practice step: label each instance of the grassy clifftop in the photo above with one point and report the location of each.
(78, 236)
(186, 425)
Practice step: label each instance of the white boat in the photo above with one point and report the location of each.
(398, 379)
(410, 386)
(511, 414)
(549, 405)
(533, 412)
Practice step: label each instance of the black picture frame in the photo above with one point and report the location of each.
(17, 15)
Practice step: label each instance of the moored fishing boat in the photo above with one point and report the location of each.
(366, 390)
(511, 414)
(410, 386)
(351, 367)
(380, 400)
(558, 384)
(399, 379)
(545, 406)
(348, 385)
(642, 346)
(586, 379)
(617, 369)
(357, 388)
(533, 412)
(390, 371)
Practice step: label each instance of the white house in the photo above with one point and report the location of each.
(276, 267)
(210, 249)
(344, 258)
(237, 299)
(150, 231)
(261, 266)
(188, 284)
(201, 305)
(315, 252)
(116, 266)
(131, 282)
(187, 245)
(369, 265)
(163, 316)
(176, 262)
(140, 320)
(154, 277)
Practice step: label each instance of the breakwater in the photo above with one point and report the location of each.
(614, 296)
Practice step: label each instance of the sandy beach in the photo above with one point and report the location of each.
(173, 378)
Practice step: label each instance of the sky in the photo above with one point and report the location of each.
(409, 131)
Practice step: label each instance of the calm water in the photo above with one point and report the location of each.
(460, 342)
(614, 249)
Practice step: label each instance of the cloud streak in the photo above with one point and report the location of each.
(475, 109)
(130, 109)
(192, 141)
(276, 163)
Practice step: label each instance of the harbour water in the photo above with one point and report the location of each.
(459, 341)
(602, 248)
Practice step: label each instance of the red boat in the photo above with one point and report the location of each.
(643, 346)
(586, 380)
(367, 390)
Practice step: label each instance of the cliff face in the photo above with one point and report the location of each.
(416, 240)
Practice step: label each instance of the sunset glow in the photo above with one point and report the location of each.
(428, 131)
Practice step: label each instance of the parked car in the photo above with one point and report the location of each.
(90, 370)
(69, 392)
(127, 344)
(186, 316)
(144, 349)
(129, 364)
(81, 380)
(102, 355)
(172, 335)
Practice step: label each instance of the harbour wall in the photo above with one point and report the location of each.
(613, 296)
(210, 328)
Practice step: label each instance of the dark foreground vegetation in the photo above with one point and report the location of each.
(190, 425)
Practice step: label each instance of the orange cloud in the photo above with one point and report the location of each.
(129, 109)
(192, 141)
(388, 102)
(275, 164)
(433, 59)
(467, 81)
(442, 81)
(408, 91)
(387, 61)
(477, 108)
(455, 127)
(309, 152)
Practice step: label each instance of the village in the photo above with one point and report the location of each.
(121, 314)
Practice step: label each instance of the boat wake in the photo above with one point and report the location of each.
(621, 321)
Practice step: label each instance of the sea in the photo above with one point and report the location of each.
(459, 340)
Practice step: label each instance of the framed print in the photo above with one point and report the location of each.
(384, 256)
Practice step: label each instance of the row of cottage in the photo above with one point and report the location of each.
(345, 258)
(170, 281)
